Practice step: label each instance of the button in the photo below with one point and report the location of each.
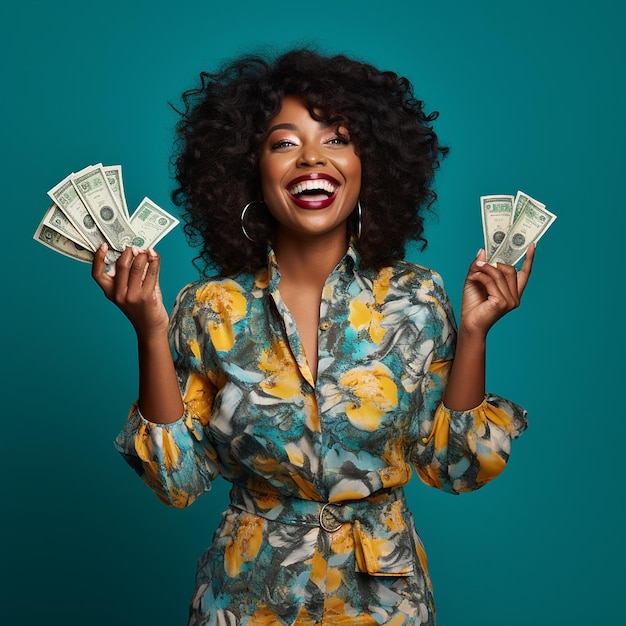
(325, 325)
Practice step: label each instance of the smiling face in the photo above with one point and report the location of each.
(310, 173)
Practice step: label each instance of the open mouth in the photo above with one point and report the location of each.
(316, 191)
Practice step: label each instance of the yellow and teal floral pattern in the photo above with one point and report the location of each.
(317, 531)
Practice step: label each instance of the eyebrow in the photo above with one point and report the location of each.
(282, 127)
(286, 126)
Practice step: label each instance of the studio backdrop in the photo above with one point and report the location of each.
(531, 97)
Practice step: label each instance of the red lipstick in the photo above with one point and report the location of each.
(313, 191)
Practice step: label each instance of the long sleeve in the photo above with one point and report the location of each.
(460, 451)
(177, 460)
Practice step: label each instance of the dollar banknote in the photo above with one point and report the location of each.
(497, 216)
(67, 199)
(531, 224)
(64, 195)
(151, 223)
(58, 221)
(59, 243)
(521, 200)
(116, 182)
(95, 191)
(511, 224)
(89, 208)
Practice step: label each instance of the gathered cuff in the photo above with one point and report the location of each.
(136, 408)
(136, 423)
(496, 410)
(175, 460)
(493, 409)
(466, 449)
(503, 412)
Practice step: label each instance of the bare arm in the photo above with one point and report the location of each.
(488, 294)
(134, 287)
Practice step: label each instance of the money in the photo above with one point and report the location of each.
(59, 243)
(57, 220)
(64, 195)
(521, 201)
(151, 223)
(89, 208)
(95, 191)
(497, 214)
(507, 239)
(114, 176)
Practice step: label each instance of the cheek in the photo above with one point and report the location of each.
(352, 166)
(358, 171)
(267, 176)
(273, 168)
(353, 172)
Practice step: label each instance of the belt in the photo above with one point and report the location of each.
(381, 524)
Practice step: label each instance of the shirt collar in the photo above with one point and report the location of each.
(351, 260)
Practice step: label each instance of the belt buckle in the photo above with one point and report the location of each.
(327, 518)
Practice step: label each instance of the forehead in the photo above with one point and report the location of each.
(292, 107)
(294, 111)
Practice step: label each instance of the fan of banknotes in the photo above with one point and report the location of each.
(511, 225)
(90, 209)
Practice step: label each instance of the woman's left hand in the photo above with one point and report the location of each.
(491, 292)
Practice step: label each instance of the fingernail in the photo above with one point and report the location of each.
(104, 246)
(479, 251)
(481, 263)
(135, 250)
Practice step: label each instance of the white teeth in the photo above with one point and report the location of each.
(320, 184)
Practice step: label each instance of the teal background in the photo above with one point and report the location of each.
(531, 96)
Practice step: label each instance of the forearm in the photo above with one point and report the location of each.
(159, 395)
(466, 383)
(488, 293)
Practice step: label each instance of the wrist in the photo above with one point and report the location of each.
(154, 338)
(476, 337)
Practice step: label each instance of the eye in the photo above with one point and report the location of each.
(339, 137)
(339, 140)
(281, 143)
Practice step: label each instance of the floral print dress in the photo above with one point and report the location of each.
(317, 531)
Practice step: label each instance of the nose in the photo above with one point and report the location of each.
(311, 156)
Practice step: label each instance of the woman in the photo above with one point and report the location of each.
(317, 366)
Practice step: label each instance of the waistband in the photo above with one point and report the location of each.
(330, 516)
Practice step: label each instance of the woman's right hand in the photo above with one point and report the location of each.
(133, 285)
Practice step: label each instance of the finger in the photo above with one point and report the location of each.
(122, 268)
(510, 276)
(524, 274)
(99, 270)
(504, 275)
(137, 268)
(497, 283)
(151, 274)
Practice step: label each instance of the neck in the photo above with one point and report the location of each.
(309, 260)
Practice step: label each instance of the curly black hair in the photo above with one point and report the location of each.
(224, 121)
